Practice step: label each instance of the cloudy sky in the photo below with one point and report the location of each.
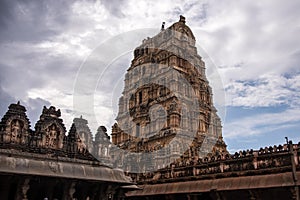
(45, 47)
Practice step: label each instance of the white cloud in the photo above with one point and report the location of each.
(254, 44)
(262, 123)
(60, 99)
(266, 90)
(259, 37)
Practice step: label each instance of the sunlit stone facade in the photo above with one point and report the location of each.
(167, 103)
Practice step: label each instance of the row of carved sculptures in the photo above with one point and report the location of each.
(249, 161)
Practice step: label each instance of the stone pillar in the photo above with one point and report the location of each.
(23, 187)
(252, 195)
(69, 190)
(294, 193)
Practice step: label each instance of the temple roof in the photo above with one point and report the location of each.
(232, 183)
(15, 162)
(181, 26)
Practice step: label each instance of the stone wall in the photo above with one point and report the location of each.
(268, 160)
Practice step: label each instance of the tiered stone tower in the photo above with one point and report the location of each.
(15, 126)
(102, 146)
(50, 130)
(167, 101)
(84, 132)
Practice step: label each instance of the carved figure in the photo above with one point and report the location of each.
(81, 147)
(15, 131)
(51, 136)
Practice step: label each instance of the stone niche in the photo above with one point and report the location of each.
(50, 130)
(15, 126)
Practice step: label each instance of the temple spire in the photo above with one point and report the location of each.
(182, 19)
(163, 26)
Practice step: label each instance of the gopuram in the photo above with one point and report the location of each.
(166, 112)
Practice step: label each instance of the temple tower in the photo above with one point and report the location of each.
(50, 130)
(84, 132)
(15, 126)
(167, 95)
(102, 146)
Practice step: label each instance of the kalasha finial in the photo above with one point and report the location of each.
(18, 102)
(182, 19)
(163, 26)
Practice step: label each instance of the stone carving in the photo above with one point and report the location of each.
(53, 166)
(50, 130)
(72, 190)
(83, 132)
(51, 136)
(173, 106)
(24, 188)
(16, 131)
(81, 147)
